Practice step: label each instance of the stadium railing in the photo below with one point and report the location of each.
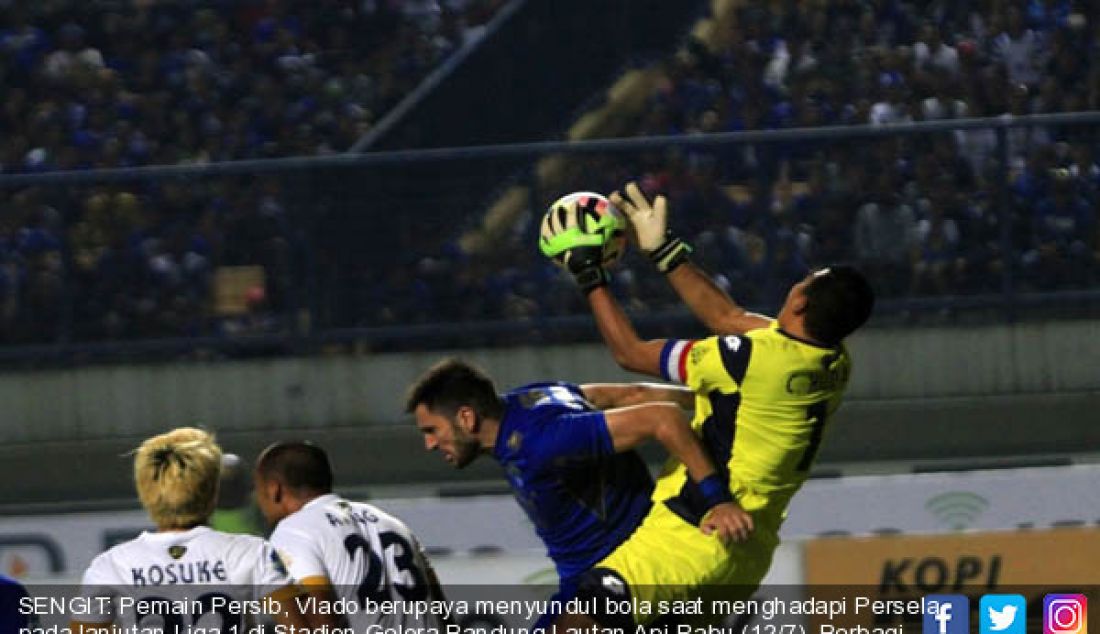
(120, 264)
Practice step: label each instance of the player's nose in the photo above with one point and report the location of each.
(430, 443)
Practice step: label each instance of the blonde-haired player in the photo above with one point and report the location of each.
(186, 575)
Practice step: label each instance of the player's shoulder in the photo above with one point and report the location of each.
(236, 540)
(101, 565)
(736, 341)
(301, 520)
(764, 335)
(333, 510)
(532, 393)
(775, 340)
(231, 546)
(367, 513)
(314, 522)
(137, 547)
(535, 404)
(243, 553)
(384, 519)
(104, 567)
(721, 358)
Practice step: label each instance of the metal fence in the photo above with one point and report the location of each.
(956, 221)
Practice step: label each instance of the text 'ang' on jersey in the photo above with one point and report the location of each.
(363, 552)
(583, 498)
(762, 402)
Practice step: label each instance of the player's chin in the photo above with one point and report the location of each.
(460, 461)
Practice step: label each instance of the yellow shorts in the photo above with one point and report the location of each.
(668, 561)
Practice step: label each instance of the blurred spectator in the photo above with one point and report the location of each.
(932, 54)
(257, 318)
(73, 58)
(938, 265)
(942, 104)
(884, 233)
(1063, 229)
(790, 58)
(1020, 50)
(893, 107)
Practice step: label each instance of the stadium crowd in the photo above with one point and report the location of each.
(139, 83)
(132, 83)
(922, 214)
(122, 84)
(918, 212)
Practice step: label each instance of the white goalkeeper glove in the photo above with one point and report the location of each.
(650, 222)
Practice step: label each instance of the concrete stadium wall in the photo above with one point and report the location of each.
(916, 394)
(327, 392)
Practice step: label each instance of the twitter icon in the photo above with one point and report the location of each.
(1002, 614)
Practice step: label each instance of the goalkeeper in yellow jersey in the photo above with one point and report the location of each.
(765, 389)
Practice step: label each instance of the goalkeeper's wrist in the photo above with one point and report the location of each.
(590, 278)
(715, 490)
(672, 253)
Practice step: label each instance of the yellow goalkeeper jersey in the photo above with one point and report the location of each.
(763, 400)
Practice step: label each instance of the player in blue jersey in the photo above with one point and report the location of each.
(569, 464)
(13, 616)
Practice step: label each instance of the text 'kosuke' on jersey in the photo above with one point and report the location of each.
(203, 571)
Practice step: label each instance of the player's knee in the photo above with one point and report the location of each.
(607, 594)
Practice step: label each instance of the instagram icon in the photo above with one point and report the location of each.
(1065, 614)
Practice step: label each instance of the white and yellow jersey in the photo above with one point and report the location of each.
(363, 552)
(181, 580)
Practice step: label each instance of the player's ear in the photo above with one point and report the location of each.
(798, 303)
(467, 419)
(275, 491)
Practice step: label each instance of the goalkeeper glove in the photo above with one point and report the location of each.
(586, 265)
(581, 253)
(650, 222)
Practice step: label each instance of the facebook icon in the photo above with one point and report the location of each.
(946, 614)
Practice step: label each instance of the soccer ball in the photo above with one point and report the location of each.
(587, 213)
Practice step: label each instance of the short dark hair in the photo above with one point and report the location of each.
(839, 299)
(300, 465)
(453, 383)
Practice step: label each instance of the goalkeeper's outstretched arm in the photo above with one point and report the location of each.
(628, 350)
(711, 304)
(649, 220)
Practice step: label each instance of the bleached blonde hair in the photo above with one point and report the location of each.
(177, 475)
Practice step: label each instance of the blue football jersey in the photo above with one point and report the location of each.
(12, 617)
(583, 498)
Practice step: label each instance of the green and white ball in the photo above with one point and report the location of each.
(583, 219)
